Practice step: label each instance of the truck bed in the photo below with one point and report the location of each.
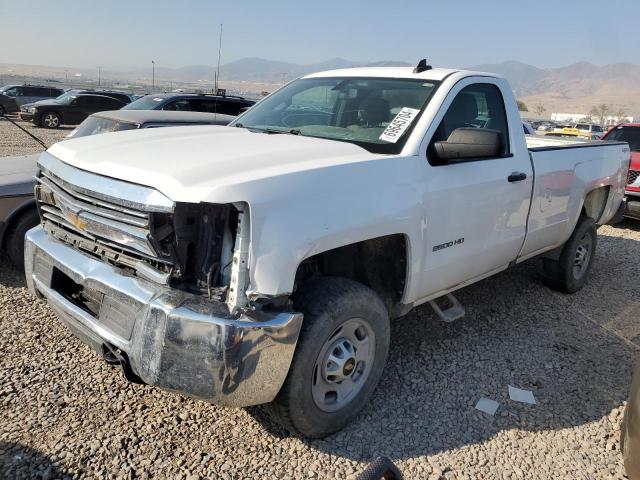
(539, 143)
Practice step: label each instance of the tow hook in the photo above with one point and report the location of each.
(116, 357)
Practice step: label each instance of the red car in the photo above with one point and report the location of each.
(630, 133)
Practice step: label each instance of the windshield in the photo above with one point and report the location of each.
(95, 125)
(375, 113)
(631, 135)
(148, 102)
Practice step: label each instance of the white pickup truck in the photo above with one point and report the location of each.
(260, 263)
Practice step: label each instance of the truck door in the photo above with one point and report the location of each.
(476, 207)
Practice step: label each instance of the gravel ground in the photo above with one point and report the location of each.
(65, 413)
(15, 142)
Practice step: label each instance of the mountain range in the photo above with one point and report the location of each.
(575, 88)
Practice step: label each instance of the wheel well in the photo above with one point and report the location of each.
(595, 202)
(379, 263)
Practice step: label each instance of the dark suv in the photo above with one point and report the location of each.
(192, 102)
(13, 96)
(73, 108)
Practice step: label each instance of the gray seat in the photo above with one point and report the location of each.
(373, 112)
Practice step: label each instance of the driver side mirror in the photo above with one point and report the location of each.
(470, 143)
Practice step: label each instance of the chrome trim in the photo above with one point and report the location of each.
(122, 193)
(85, 202)
(173, 339)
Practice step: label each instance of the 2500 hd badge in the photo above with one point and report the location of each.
(442, 246)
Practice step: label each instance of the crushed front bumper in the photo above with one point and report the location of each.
(171, 339)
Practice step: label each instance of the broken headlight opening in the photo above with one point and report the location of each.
(202, 242)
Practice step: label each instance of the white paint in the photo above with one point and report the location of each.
(309, 195)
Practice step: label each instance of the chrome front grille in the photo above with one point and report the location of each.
(633, 176)
(93, 217)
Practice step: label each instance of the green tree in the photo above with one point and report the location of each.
(522, 106)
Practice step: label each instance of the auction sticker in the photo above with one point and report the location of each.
(399, 124)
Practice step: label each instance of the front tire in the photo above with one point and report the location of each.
(50, 120)
(339, 358)
(570, 272)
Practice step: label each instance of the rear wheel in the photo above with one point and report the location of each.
(50, 120)
(15, 235)
(569, 273)
(339, 359)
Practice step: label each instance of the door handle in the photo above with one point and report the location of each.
(517, 177)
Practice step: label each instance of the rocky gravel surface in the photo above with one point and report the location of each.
(13, 141)
(66, 414)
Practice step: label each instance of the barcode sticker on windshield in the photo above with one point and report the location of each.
(399, 124)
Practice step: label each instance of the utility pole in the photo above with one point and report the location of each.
(99, 74)
(219, 51)
(153, 75)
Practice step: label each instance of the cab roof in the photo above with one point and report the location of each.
(434, 74)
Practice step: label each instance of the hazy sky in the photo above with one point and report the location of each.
(449, 33)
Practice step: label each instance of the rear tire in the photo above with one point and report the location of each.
(339, 358)
(569, 273)
(50, 120)
(15, 236)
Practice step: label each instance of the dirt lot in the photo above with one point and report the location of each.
(65, 413)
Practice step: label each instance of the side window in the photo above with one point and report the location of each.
(477, 106)
(19, 92)
(227, 107)
(110, 103)
(203, 105)
(178, 105)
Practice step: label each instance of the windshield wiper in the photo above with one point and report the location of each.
(293, 131)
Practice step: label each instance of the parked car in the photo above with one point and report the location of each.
(7, 105)
(18, 212)
(118, 120)
(262, 262)
(630, 133)
(71, 109)
(13, 96)
(546, 126)
(630, 431)
(588, 130)
(191, 102)
(25, 109)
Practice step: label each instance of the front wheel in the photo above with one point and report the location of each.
(339, 359)
(569, 273)
(50, 120)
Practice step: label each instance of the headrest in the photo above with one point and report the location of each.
(373, 111)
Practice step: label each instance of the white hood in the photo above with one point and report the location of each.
(18, 169)
(189, 163)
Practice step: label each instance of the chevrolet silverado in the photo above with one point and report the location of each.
(261, 262)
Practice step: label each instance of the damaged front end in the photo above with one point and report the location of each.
(197, 248)
(158, 286)
(207, 247)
